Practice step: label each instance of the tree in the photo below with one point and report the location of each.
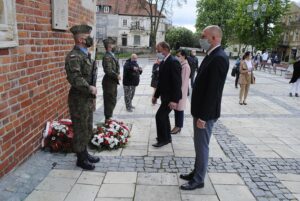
(263, 31)
(157, 9)
(216, 12)
(180, 35)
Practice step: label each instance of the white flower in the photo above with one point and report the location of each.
(97, 140)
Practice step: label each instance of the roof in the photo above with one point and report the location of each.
(128, 7)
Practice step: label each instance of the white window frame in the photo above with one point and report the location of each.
(135, 41)
(106, 9)
(8, 25)
(124, 22)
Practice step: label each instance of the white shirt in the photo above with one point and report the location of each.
(265, 56)
(208, 53)
(249, 64)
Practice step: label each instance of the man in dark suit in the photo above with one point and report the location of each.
(206, 102)
(169, 91)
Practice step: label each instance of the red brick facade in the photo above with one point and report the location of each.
(33, 84)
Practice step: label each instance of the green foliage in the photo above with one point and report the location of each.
(264, 31)
(216, 12)
(183, 36)
(239, 26)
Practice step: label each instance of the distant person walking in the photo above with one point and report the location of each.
(185, 74)
(246, 68)
(155, 74)
(193, 63)
(265, 57)
(295, 81)
(131, 79)
(237, 74)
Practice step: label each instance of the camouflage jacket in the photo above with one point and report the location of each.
(78, 67)
(111, 67)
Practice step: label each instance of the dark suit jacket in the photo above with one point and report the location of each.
(209, 84)
(169, 81)
(296, 72)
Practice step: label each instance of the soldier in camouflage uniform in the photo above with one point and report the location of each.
(78, 65)
(110, 80)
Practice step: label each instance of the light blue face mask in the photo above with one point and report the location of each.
(204, 44)
(160, 56)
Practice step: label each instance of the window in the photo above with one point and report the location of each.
(124, 39)
(106, 9)
(98, 9)
(124, 22)
(8, 24)
(137, 40)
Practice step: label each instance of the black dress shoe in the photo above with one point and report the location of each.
(191, 185)
(187, 177)
(85, 164)
(170, 140)
(160, 144)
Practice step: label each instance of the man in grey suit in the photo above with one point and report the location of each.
(206, 102)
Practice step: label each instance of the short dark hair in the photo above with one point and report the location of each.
(246, 54)
(182, 53)
(164, 45)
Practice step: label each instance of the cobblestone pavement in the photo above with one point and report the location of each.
(254, 155)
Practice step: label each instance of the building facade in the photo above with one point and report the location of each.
(34, 40)
(127, 23)
(289, 46)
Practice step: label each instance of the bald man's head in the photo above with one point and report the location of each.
(133, 57)
(213, 34)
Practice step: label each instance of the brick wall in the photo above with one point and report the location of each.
(33, 84)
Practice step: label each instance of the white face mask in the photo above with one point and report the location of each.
(160, 56)
(204, 44)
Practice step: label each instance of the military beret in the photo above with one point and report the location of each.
(108, 40)
(79, 29)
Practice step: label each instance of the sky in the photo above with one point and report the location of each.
(185, 15)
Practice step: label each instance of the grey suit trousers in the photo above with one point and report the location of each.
(201, 141)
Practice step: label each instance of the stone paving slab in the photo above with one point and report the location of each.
(117, 191)
(159, 193)
(82, 192)
(233, 193)
(37, 195)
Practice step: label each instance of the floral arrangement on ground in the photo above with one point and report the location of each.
(110, 135)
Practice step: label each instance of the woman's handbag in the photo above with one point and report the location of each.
(252, 78)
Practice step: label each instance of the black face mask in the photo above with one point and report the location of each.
(89, 41)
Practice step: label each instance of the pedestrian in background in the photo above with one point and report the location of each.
(185, 74)
(155, 74)
(246, 68)
(110, 79)
(206, 102)
(169, 91)
(193, 63)
(237, 71)
(79, 69)
(131, 79)
(295, 81)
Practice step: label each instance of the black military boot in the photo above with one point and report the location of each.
(91, 159)
(83, 162)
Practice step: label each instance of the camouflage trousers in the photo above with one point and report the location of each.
(128, 96)
(81, 112)
(110, 92)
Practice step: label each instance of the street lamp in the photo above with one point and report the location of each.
(256, 9)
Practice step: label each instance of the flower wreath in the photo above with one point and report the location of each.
(58, 135)
(110, 135)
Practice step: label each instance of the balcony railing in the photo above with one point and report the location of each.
(135, 27)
